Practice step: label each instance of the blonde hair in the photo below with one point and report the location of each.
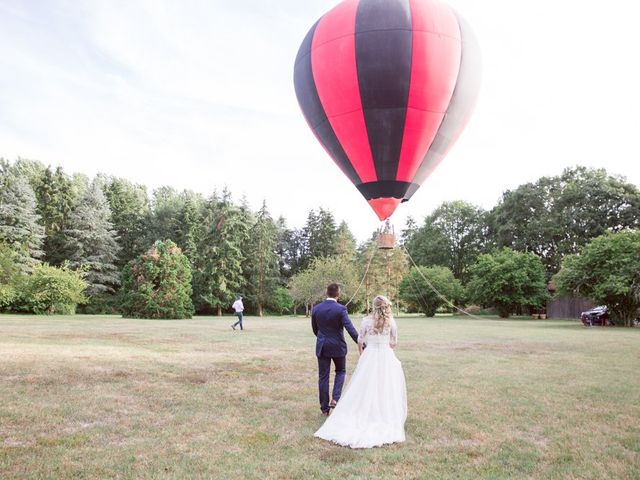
(381, 313)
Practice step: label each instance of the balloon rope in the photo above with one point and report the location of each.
(435, 290)
(419, 291)
(373, 253)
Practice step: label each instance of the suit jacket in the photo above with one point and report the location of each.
(328, 320)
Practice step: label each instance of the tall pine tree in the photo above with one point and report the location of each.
(218, 268)
(166, 207)
(56, 198)
(261, 264)
(92, 242)
(130, 213)
(322, 235)
(345, 242)
(20, 229)
(190, 228)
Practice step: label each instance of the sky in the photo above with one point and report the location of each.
(198, 94)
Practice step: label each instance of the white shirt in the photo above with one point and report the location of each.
(238, 306)
(332, 299)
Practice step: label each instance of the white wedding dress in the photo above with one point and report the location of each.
(373, 409)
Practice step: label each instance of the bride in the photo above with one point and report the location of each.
(373, 409)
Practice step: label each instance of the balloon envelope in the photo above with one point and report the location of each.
(387, 86)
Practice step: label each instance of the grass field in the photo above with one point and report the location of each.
(103, 397)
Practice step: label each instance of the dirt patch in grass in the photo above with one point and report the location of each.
(337, 455)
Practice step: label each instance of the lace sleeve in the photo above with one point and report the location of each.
(393, 334)
(362, 335)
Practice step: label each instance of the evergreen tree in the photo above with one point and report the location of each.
(31, 170)
(218, 267)
(291, 250)
(261, 263)
(56, 198)
(91, 241)
(322, 235)
(166, 207)
(130, 213)
(282, 233)
(345, 242)
(304, 241)
(19, 222)
(190, 228)
(410, 228)
(158, 284)
(319, 238)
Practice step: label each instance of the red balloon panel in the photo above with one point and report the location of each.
(387, 86)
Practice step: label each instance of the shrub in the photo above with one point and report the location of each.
(50, 290)
(281, 302)
(157, 284)
(418, 295)
(10, 276)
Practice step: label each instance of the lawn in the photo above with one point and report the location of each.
(103, 397)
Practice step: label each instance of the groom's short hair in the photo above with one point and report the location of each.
(333, 290)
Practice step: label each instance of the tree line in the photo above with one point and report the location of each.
(541, 231)
(99, 226)
(95, 229)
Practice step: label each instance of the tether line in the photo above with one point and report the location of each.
(373, 253)
(421, 298)
(435, 290)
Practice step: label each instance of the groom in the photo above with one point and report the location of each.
(328, 320)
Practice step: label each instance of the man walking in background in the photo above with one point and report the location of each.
(328, 321)
(238, 308)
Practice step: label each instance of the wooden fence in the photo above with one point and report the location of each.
(567, 307)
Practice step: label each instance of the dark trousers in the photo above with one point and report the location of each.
(324, 370)
(239, 322)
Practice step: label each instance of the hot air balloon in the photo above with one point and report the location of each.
(387, 86)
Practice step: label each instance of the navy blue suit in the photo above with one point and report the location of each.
(328, 320)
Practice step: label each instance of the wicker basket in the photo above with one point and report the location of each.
(386, 241)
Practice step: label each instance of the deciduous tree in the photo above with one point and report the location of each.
(555, 216)
(452, 236)
(608, 271)
(53, 290)
(419, 295)
(508, 280)
(309, 286)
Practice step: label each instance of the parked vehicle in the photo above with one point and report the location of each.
(596, 316)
